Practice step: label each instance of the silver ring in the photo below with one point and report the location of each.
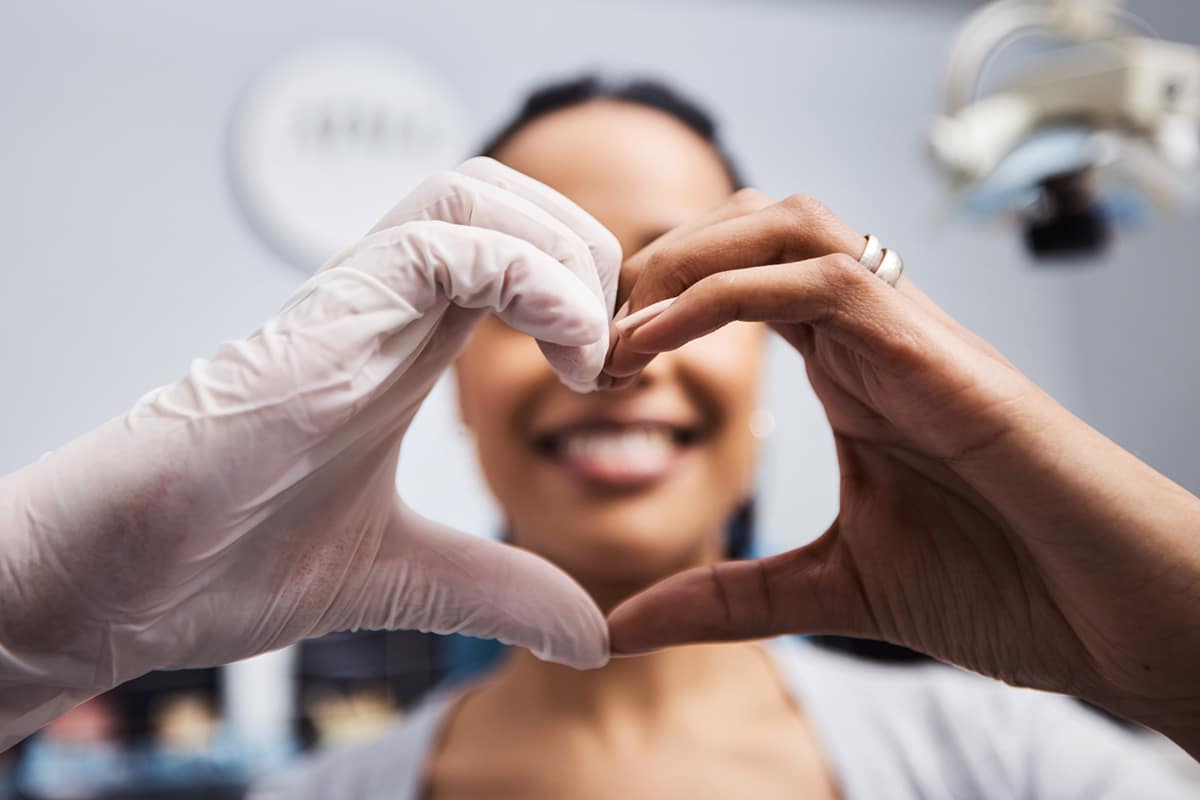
(891, 267)
(872, 253)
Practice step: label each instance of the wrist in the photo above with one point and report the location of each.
(1049, 468)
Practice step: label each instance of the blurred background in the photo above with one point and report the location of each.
(169, 173)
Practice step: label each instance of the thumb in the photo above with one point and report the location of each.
(445, 581)
(801, 591)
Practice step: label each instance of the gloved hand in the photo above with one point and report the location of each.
(253, 503)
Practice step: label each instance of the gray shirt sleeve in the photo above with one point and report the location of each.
(391, 766)
(931, 731)
(1069, 751)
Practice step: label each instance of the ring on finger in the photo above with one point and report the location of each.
(891, 267)
(881, 261)
(872, 253)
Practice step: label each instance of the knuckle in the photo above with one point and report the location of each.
(841, 277)
(665, 274)
(747, 201)
(844, 267)
(447, 194)
(804, 206)
(723, 282)
(715, 286)
(809, 219)
(721, 593)
(649, 270)
(653, 260)
(719, 293)
(444, 181)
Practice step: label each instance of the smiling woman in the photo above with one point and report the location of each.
(624, 487)
(619, 488)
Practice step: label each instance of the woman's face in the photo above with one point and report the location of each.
(618, 488)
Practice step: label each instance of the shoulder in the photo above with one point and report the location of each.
(890, 692)
(389, 766)
(948, 733)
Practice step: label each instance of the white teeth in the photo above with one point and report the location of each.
(624, 446)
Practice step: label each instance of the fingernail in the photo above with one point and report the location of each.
(633, 653)
(637, 319)
(622, 312)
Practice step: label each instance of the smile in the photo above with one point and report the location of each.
(618, 455)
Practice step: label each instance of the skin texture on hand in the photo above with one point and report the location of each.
(980, 522)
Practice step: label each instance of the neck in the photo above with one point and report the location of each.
(668, 685)
(646, 686)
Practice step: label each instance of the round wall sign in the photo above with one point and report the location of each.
(327, 141)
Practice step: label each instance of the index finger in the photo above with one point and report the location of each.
(795, 229)
(739, 204)
(604, 247)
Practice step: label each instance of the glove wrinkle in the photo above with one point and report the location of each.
(252, 503)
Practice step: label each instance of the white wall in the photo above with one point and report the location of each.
(125, 254)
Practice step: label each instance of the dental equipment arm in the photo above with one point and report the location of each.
(253, 504)
(1137, 85)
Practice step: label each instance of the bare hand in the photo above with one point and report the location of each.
(980, 522)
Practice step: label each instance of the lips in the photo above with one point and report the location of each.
(618, 454)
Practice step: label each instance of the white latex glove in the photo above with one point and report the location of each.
(253, 503)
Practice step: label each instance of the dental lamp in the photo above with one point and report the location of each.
(1102, 129)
